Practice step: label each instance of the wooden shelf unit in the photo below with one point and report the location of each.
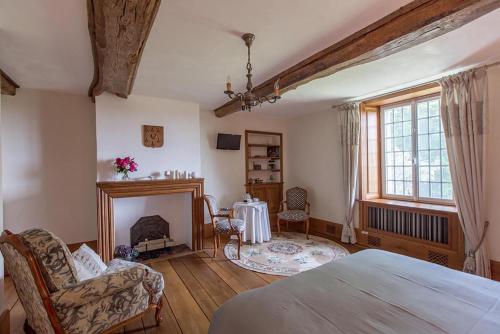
(258, 145)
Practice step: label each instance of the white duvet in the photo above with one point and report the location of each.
(368, 292)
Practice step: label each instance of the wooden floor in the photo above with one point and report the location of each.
(195, 286)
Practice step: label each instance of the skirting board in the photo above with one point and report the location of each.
(495, 270)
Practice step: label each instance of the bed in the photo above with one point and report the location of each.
(369, 292)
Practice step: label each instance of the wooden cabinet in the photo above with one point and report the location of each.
(264, 168)
(272, 193)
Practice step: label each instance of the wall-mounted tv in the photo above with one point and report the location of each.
(228, 142)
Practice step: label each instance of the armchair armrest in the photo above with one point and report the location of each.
(87, 291)
(225, 213)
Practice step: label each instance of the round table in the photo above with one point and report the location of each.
(256, 218)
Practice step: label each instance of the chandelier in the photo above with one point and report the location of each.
(248, 99)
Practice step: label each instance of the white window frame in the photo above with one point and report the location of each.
(415, 181)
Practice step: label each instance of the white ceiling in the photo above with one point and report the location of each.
(195, 44)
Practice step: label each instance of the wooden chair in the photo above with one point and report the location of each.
(56, 301)
(297, 208)
(223, 222)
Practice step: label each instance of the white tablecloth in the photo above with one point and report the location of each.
(256, 218)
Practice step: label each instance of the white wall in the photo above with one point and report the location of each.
(49, 163)
(119, 133)
(314, 162)
(224, 171)
(493, 154)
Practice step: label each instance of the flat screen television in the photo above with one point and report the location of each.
(228, 142)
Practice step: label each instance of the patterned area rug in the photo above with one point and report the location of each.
(286, 255)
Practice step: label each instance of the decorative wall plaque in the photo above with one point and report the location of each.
(152, 136)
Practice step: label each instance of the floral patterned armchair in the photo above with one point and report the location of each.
(56, 301)
(297, 208)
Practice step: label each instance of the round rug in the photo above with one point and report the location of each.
(286, 255)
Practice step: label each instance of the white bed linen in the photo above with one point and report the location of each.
(368, 292)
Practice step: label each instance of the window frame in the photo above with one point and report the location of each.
(414, 131)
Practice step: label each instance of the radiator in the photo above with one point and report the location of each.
(412, 224)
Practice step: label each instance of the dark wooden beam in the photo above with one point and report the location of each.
(118, 33)
(412, 24)
(8, 86)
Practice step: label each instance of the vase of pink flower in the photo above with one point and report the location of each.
(125, 166)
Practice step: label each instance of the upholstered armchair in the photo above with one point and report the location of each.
(56, 301)
(295, 208)
(223, 222)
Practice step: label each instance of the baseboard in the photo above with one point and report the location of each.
(495, 270)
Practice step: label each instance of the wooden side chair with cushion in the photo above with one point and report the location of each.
(223, 222)
(57, 301)
(297, 208)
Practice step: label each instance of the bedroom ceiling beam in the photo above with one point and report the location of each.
(118, 32)
(8, 86)
(412, 24)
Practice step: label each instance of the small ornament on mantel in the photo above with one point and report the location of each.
(152, 136)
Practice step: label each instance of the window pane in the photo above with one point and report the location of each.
(398, 114)
(422, 110)
(423, 188)
(398, 173)
(398, 157)
(398, 144)
(388, 131)
(435, 190)
(434, 108)
(434, 125)
(388, 115)
(423, 158)
(407, 128)
(423, 173)
(407, 113)
(423, 125)
(435, 157)
(434, 179)
(434, 141)
(447, 191)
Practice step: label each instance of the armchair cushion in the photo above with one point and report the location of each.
(53, 257)
(222, 225)
(97, 288)
(293, 215)
(153, 280)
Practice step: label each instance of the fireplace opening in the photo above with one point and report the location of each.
(149, 238)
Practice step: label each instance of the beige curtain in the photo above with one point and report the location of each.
(464, 112)
(349, 132)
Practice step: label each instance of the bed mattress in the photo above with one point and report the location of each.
(369, 292)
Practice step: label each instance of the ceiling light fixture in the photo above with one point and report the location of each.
(248, 99)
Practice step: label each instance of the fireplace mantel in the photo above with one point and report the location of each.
(109, 190)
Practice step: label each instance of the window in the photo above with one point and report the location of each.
(414, 158)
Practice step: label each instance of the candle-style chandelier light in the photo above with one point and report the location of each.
(248, 99)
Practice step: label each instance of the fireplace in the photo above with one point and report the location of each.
(108, 191)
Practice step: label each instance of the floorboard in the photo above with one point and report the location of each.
(200, 295)
(188, 313)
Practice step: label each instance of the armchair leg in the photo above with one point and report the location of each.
(307, 229)
(158, 316)
(278, 223)
(215, 245)
(240, 237)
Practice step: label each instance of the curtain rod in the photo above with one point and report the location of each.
(403, 89)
